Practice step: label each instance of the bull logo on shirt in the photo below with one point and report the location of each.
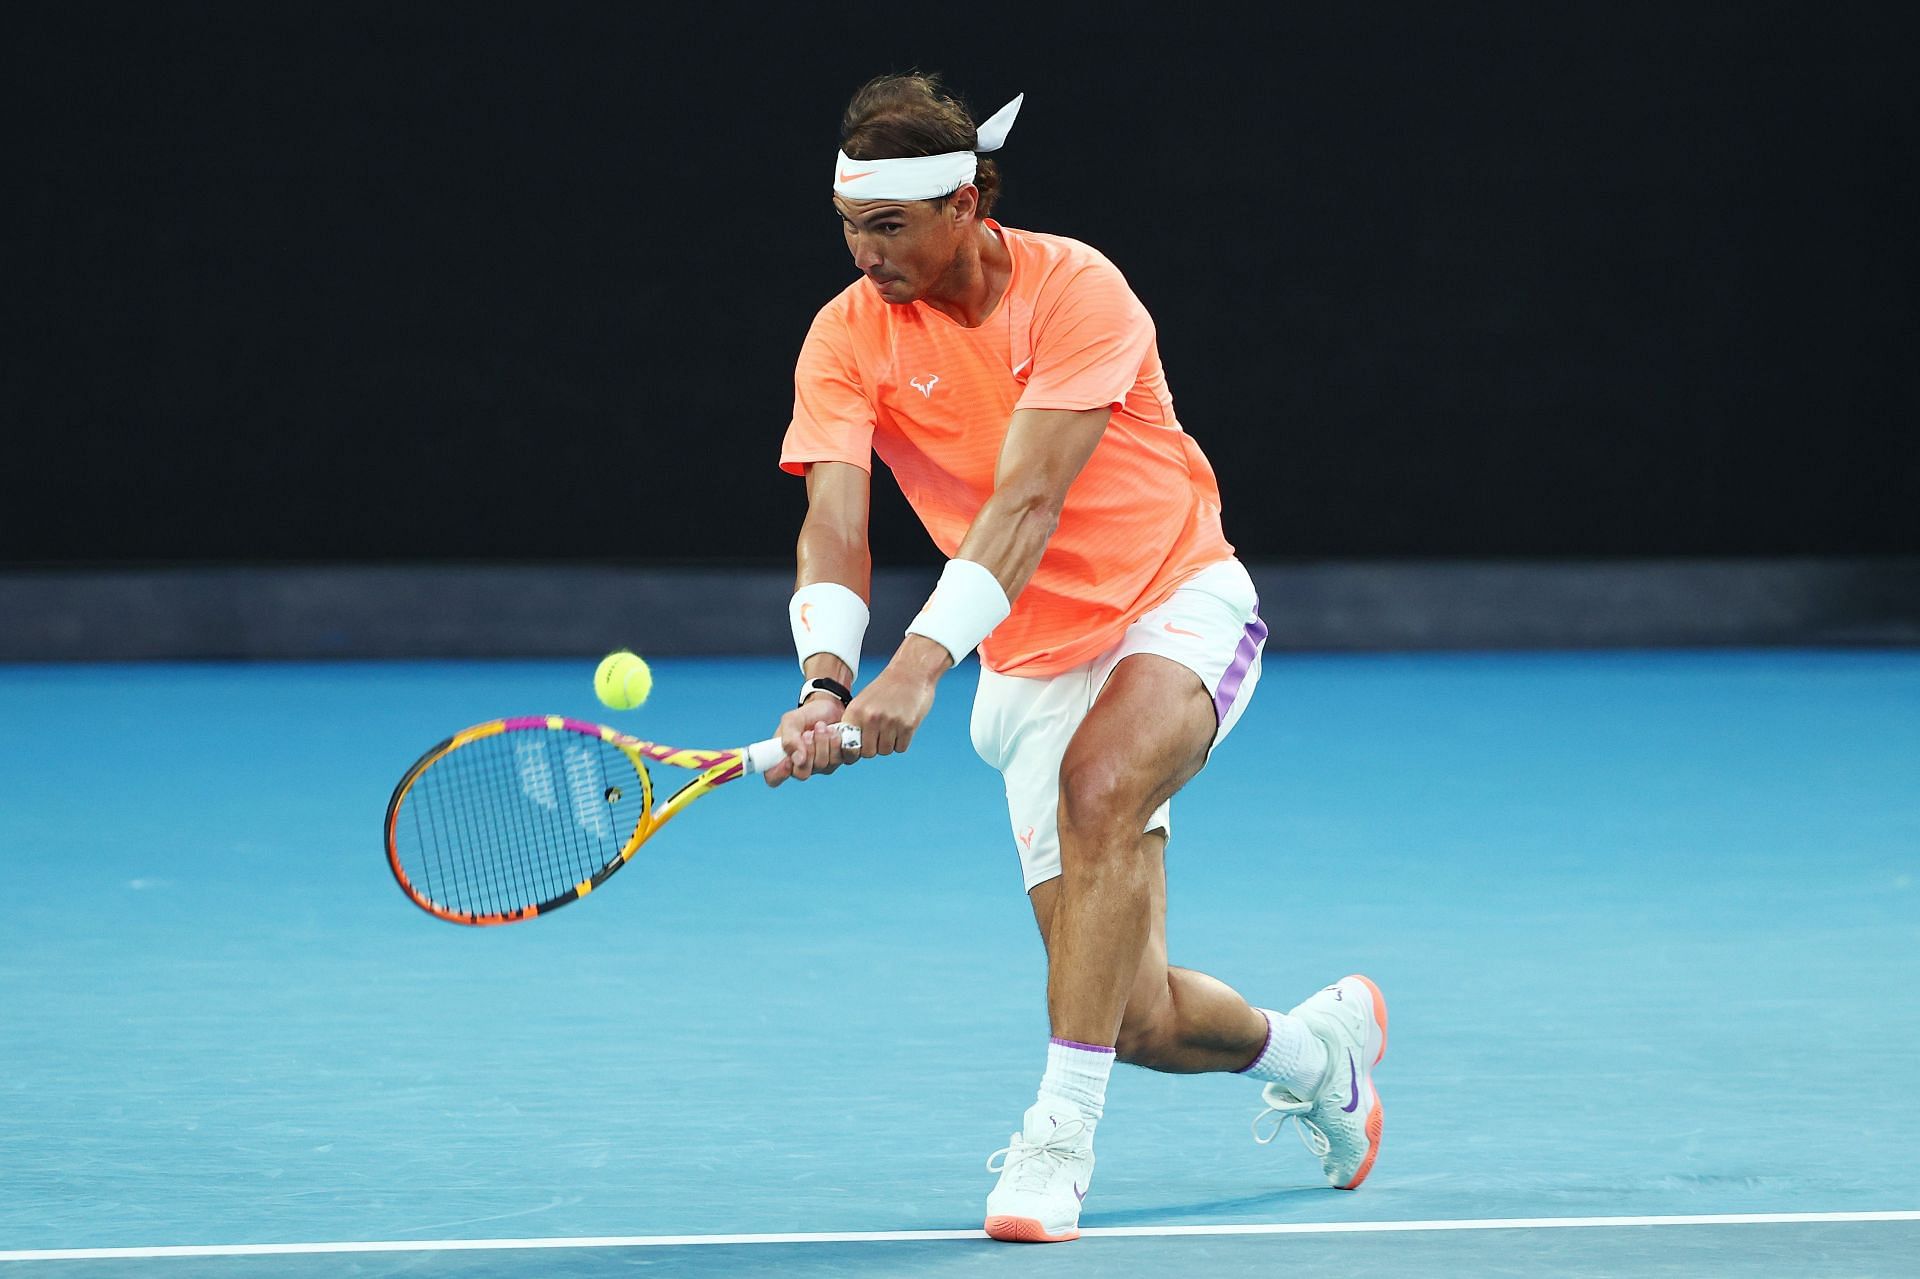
(924, 385)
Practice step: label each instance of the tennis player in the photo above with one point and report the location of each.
(1012, 383)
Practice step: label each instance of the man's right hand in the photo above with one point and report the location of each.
(808, 750)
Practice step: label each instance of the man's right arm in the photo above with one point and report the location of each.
(833, 547)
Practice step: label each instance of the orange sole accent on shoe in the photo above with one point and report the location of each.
(1376, 1124)
(1027, 1230)
(1379, 1016)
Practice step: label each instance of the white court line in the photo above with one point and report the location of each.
(914, 1236)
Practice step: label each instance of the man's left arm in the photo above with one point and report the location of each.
(1044, 451)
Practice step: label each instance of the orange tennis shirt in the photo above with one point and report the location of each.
(934, 400)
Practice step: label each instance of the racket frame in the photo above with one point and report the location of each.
(713, 768)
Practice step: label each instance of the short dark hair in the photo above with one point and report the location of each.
(913, 114)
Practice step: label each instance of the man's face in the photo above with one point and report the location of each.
(905, 247)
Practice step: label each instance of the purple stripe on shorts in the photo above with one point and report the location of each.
(1256, 635)
(1085, 1048)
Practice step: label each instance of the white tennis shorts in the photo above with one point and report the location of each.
(1211, 625)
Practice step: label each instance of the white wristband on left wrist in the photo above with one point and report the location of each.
(963, 609)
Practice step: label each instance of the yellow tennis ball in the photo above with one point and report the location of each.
(623, 680)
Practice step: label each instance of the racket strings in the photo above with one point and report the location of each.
(511, 834)
(517, 819)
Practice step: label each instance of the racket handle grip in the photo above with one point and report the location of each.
(764, 755)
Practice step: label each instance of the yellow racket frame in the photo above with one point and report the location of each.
(714, 767)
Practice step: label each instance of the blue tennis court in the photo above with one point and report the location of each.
(1648, 924)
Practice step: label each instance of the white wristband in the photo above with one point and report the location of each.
(963, 609)
(828, 618)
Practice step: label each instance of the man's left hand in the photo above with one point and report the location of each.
(890, 709)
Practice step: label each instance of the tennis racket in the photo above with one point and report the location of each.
(514, 818)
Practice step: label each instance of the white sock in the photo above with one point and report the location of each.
(1293, 1056)
(1077, 1075)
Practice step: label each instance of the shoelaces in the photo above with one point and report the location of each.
(1311, 1135)
(1034, 1163)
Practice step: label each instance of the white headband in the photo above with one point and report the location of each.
(922, 177)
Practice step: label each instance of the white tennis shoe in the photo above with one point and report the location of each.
(1341, 1123)
(1044, 1175)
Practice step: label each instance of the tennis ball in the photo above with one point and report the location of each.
(622, 681)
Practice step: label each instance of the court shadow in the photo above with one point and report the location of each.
(1202, 1212)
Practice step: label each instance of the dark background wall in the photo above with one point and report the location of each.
(316, 282)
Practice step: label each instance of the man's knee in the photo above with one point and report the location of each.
(1100, 800)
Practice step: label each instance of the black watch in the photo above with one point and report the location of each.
(821, 684)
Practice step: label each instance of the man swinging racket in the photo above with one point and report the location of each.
(1012, 383)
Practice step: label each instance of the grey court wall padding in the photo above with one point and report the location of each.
(532, 610)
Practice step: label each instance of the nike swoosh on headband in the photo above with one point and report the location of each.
(925, 177)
